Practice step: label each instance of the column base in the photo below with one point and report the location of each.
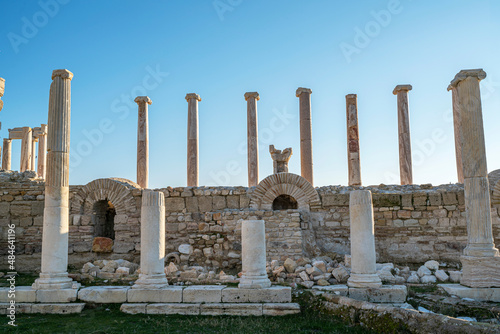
(147, 281)
(480, 272)
(481, 250)
(54, 281)
(364, 281)
(254, 282)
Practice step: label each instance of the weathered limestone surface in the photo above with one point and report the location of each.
(24, 294)
(7, 154)
(253, 237)
(133, 308)
(456, 128)
(481, 294)
(480, 271)
(152, 241)
(405, 164)
(353, 159)
(143, 140)
(280, 159)
(383, 294)
(203, 294)
(252, 138)
(242, 309)
(49, 308)
(192, 145)
(41, 134)
(167, 308)
(56, 295)
(306, 158)
(275, 294)
(56, 213)
(168, 294)
(363, 257)
(103, 294)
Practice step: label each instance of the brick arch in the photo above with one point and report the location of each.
(494, 179)
(284, 184)
(116, 190)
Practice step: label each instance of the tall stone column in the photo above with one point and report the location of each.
(33, 150)
(353, 140)
(42, 150)
(143, 141)
(306, 153)
(7, 154)
(2, 89)
(152, 241)
(26, 149)
(252, 138)
(192, 140)
(363, 257)
(481, 260)
(405, 165)
(54, 273)
(253, 251)
(456, 127)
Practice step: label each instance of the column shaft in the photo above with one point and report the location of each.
(142, 141)
(252, 138)
(306, 158)
(42, 153)
(26, 149)
(33, 157)
(192, 140)
(456, 128)
(405, 164)
(353, 159)
(253, 251)
(7, 154)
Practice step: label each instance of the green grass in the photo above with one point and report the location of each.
(108, 319)
(22, 279)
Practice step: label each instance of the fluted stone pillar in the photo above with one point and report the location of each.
(252, 138)
(152, 241)
(353, 161)
(192, 140)
(26, 149)
(33, 150)
(405, 164)
(363, 257)
(253, 252)
(142, 141)
(54, 273)
(456, 127)
(481, 260)
(306, 158)
(42, 151)
(7, 154)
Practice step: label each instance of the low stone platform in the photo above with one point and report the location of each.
(479, 294)
(240, 309)
(44, 308)
(391, 294)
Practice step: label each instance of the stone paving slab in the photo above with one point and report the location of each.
(169, 294)
(19, 307)
(384, 294)
(275, 294)
(171, 308)
(23, 294)
(479, 294)
(57, 308)
(203, 294)
(242, 309)
(104, 294)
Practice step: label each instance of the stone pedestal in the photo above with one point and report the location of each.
(456, 127)
(363, 257)
(142, 141)
(152, 241)
(353, 140)
(280, 159)
(306, 158)
(481, 260)
(405, 164)
(192, 140)
(33, 150)
(7, 154)
(252, 138)
(56, 212)
(41, 134)
(253, 241)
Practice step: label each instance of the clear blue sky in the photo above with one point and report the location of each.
(222, 49)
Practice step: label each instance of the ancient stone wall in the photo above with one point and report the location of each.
(412, 223)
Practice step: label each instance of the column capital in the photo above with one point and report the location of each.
(64, 74)
(192, 96)
(252, 94)
(399, 88)
(301, 90)
(351, 96)
(2, 86)
(144, 99)
(40, 131)
(463, 74)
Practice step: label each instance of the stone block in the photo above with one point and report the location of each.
(133, 308)
(174, 204)
(203, 294)
(37, 208)
(435, 199)
(479, 294)
(121, 247)
(205, 203)
(184, 309)
(420, 199)
(335, 200)
(241, 309)
(275, 309)
(56, 296)
(384, 294)
(57, 308)
(450, 198)
(104, 294)
(233, 202)
(386, 200)
(19, 308)
(406, 200)
(169, 294)
(275, 294)
(102, 245)
(219, 202)
(23, 294)
(192, 204)
(339, 290)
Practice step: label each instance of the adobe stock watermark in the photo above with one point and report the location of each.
(122, 106)
(11, 274)
(223, 6)
(31, 26)
(363, 36)
(277, 124)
